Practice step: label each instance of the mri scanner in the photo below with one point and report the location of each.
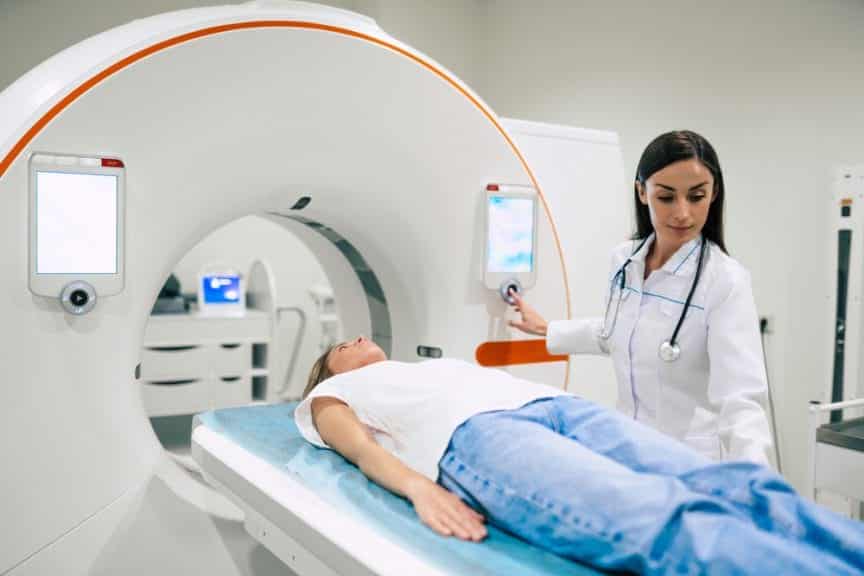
(372, 154)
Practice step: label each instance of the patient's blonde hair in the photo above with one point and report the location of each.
(320, 371)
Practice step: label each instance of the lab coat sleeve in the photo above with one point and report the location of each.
(737, 381)
(577, 336)
(582, 335)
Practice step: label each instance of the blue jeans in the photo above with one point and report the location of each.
(590, 484)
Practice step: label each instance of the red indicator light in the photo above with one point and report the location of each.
(112, 163)
(492, 187)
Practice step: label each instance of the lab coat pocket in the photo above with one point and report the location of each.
(707, 445)
(671, 309)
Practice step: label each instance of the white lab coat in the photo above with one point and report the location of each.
(711, 397)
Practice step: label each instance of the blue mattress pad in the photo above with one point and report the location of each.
(269, 432)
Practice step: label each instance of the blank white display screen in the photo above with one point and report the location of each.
(511, 234)
(76, 223)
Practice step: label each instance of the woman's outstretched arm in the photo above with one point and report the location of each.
(437, 507)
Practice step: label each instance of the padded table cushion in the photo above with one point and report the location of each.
(269, 433)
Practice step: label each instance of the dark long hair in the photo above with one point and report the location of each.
(673, 147)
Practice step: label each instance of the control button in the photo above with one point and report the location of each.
(509, 287)
(78, 298)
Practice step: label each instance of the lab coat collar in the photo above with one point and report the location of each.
(682, 263)
(639, 255)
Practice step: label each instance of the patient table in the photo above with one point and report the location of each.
(321, 516)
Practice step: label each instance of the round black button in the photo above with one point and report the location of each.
(79, 298)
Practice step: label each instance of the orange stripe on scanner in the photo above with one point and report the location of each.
(511, 352)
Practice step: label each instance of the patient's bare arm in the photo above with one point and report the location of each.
(437, 507)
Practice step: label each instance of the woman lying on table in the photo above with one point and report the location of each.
(467, 445)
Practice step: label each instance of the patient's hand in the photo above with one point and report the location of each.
(445, 512)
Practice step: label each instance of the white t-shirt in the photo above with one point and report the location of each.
(412, 409)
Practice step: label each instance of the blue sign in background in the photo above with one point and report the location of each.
(221, 289)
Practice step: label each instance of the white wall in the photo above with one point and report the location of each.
(778, 88)
(446, 30)
(33, 30)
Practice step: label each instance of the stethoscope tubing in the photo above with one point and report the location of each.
(669, 349)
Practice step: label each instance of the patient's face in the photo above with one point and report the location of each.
(354, 354)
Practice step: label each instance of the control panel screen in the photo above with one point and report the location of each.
(220, 289)
(76, 223)
(510, 241)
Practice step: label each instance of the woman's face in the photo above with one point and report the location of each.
(354, 354)
(678, 199)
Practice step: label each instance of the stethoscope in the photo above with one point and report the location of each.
(669, 349)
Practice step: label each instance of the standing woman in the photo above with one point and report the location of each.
(680, 321)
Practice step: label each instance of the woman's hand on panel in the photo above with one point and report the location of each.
(530, 320)
(445, 512)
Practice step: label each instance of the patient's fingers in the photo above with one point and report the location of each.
(471, 517)
(458, 529)
(447, 514)
(473, 512)
(469, 513)
(439, 526)
(467, 530)
(450, 522)
(459, 525)
(445, 525)
(467, 520)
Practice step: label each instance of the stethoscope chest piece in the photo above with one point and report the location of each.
(669, 352)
